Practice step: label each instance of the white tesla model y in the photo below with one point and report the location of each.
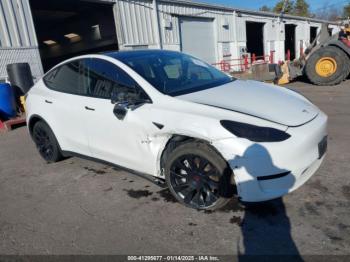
(174, 117)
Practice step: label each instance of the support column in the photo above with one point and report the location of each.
(156, 20)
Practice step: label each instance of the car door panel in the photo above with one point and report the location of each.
(70, 115)
(123, 141)
(64, 97)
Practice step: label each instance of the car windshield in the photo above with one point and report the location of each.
(174, 73)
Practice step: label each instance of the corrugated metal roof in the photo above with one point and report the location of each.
(246, 11)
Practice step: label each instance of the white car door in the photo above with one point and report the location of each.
(123, 141)
(65, 99)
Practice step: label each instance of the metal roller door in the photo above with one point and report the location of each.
(197, 38)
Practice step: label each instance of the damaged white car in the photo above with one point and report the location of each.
(174, 117)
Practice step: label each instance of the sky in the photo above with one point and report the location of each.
(256, 4)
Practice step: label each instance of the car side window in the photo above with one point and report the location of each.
(173, 69)
(66, 79)
(198, 72)
(102, 78)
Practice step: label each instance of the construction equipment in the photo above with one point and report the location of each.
(325, 62)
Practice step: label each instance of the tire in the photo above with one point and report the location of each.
(46, 142)
(198, 177)
(334, 54)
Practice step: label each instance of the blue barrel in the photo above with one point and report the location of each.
(7, 102)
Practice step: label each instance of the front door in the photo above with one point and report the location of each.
(125, 140)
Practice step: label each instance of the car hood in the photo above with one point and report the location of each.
(272, 103)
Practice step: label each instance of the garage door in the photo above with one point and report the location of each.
(197, 38)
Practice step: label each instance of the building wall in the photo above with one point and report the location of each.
(223, 26)
(138, 26)
(273, 33)
(17, 37)
(20, 55)
(335, 29)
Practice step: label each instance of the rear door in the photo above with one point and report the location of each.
(66, 99)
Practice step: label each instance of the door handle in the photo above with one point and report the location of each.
(89, 108)
(48, 102)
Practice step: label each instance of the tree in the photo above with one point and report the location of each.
(346, 12)
(301, 8)
(288, 9)
(329, 12)
(333, 14)
(265, 8)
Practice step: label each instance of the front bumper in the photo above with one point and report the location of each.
(297, 159)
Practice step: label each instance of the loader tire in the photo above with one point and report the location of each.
(327, 66)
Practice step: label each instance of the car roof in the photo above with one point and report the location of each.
(116, 55)
(135, 53)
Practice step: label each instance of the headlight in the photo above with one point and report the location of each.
(254, 133)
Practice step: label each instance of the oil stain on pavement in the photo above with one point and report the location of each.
(137, 194)
(346, 192)
(95, 171)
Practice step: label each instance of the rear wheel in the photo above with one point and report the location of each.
(328, 66)
(46, 142)
(198, 177)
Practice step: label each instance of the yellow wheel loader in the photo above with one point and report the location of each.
(325, 62)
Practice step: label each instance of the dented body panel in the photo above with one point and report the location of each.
(298, 158)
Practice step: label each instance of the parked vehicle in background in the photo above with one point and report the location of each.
(175, 117)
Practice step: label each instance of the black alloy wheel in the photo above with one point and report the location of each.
(195, 180)
(46, 142)
(195, 175)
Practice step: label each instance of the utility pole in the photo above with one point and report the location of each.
(285, 3)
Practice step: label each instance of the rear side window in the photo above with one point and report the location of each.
(66, 78)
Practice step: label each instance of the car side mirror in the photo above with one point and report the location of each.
(124, 102)
(120, 110)
(121, 104)
(119, 97)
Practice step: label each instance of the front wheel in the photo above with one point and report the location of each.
(198, 177)
(327, 66)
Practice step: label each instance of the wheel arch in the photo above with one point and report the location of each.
(341, 46)
(33, 120)
(177, 139)
(228, 188)
(336, 44)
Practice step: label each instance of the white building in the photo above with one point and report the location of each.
(46, 32)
